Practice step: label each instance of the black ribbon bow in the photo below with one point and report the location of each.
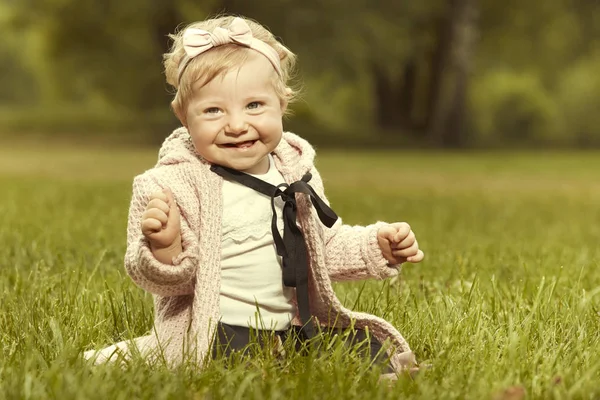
(292, 247)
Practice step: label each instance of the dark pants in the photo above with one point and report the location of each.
(230, 338)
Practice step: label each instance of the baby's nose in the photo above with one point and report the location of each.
(237, 124)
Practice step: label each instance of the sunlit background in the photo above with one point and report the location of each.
(482, 108)
(432, 73)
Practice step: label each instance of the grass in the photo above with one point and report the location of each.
(505, 304)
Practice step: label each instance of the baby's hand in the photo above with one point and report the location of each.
(161, 221)
(398, 243)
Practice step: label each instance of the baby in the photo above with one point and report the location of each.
(231, 231)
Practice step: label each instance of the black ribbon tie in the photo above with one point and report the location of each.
(292, 247)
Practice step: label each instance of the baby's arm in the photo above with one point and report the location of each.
(353, 252)
(146, 271)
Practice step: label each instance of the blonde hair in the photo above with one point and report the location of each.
(219, 60)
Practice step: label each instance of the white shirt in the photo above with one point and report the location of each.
(252, 290)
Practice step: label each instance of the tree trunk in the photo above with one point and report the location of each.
(394, 98)
(384, 98)
(439, 63)
(406, 93)
(452, 66)
(164, 20)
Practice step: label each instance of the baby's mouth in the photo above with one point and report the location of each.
(241, 145)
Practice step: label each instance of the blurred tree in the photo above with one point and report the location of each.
(530, 68)
(411, 63)
(417, 55)
(16, 81)
(109, 47)
(404, 48)
(453, 58)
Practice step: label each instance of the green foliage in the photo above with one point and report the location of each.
(579, 101)
(534, 35)
(107, 55)
(350, 39)
(508, 295)
(513, 108)
(346, 106)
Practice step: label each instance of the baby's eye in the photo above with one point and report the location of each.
(254, 105)
(211, 110)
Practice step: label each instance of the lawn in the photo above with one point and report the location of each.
(506, 304)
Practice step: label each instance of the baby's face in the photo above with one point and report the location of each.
(236, 120)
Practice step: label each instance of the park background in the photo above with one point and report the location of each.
(477, 121)
(455, 73)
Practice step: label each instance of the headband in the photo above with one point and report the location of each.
(197, 41)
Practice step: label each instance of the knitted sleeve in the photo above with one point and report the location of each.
(352, 252)
(141, 265)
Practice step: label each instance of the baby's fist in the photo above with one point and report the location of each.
(161, 221)
(398, 243)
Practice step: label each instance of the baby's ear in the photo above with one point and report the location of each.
(179, 113)
(285, 101)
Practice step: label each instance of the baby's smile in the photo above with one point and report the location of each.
(240, 145)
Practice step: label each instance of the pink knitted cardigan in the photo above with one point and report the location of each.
(186, 294)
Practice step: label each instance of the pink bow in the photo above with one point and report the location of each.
(197, 41)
